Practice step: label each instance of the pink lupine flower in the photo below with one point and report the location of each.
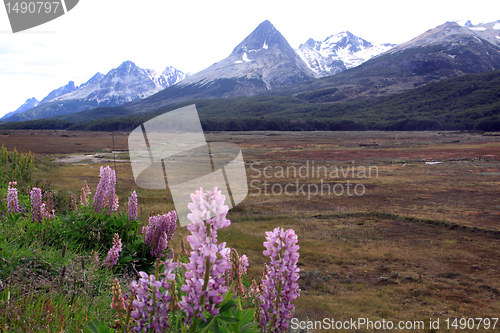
(12, 200)
(84, 192)
(117, 302)
(254, 289)
(114, 252)
(152, 313)
(105, 198)
(208, 215)
(132, 207)
(36, 204)
(243, 264)
(159, 232)
(280, 278)
(236, 273)
(48, 206)
(46, 212)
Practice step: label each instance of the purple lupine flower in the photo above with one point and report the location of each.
(159, 232)
(105, 198)
(132, 207)
(203, 241)
(36, 204)
(281, 274)
(114, 252)
(148, 312)
(12, 200)
(243, 264)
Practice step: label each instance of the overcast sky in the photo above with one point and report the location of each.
(98, 35)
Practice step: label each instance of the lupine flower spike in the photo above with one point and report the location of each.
(117, 303)
(114, 252)
(159, 232)
(132, 207)
(12, 200)
(36, 204)
(238, 269)
(279, 285)
(209, 261)
(105, 198)
(48, 206)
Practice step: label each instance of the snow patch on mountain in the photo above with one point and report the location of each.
(338, 52)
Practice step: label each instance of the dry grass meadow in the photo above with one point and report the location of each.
(422, 241)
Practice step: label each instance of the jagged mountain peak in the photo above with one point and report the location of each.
(264, 56)
(338, 52)
(30, 103)
(69, 88)
(264, 36)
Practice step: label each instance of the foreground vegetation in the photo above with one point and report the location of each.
(55, 276)
(421, 243)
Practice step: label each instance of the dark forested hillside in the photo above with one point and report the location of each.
(469, 102)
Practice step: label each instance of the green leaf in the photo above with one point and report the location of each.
(216, 326)
(247, 316)
(250, 327)
(226, 306)
(228, 319)
(93, 326)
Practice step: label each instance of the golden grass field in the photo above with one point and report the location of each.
(423, 241)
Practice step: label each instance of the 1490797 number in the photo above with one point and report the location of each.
(32, 7)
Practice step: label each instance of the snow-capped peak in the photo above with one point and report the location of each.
(338, 52)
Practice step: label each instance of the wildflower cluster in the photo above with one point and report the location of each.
(151, 304)
(212, 267)
(159, 232)
(12, 201)
(114, 252)
(132, 207)
(279, 283)
(105, 198)
(36, 204)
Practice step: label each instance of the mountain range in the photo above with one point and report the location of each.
(128, 82)
(342, 67)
